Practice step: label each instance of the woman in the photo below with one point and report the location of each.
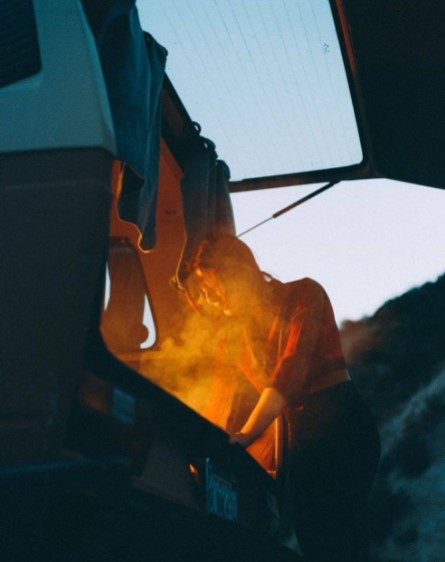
(289, 332)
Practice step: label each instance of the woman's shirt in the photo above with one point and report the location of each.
(296, 349)
(305, 342)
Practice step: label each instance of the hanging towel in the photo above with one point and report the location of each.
(140, 206)
(205, 199)
(224, 222)
(133, 64)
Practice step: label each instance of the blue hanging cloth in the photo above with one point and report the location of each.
(133, 64)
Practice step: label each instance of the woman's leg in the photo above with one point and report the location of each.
(332, 467)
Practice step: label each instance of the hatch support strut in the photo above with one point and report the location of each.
(291, 206)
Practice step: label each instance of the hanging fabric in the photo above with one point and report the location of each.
(133, 64)
(139, 206)
(206, 200)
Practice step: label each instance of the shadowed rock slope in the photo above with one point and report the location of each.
(397, 360)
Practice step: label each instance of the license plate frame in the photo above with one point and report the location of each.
(221, 492)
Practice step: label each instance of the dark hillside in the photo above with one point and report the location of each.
(397, 360)
(399, 349)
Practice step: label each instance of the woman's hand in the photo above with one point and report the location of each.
(269, 406)
(243, 439)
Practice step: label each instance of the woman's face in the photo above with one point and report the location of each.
(230, 295)
(212, 289)
(224, 295)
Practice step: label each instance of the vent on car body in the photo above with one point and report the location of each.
(20, 57)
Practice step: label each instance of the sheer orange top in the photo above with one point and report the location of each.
(305, 341)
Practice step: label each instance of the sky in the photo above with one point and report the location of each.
(364, 241)
(265, 80)
(262, 75)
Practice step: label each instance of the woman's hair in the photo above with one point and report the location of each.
(225, 258)
(225, 253)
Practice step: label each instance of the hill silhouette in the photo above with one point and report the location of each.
(397, 360)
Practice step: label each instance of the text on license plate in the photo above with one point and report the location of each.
(221, 494)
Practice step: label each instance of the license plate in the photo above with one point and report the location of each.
(221, 493)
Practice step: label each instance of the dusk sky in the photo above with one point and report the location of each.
(265, 80)
(365, 241)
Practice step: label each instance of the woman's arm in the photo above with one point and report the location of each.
(269, 406)
(292, 369)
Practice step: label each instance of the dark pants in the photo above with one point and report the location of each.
(333, 457)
